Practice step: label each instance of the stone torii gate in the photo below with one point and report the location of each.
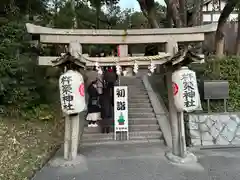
(168, 36)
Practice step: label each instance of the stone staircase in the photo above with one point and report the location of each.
(143, 125)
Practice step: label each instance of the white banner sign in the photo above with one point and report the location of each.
(185, 90)
(121, 108)
(72, 92)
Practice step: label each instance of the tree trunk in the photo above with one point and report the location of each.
(152, 18)
(237, 51)
(98, 9)
(197, 13)
(75, 25)
(183, 12)
(174, 13)
(148, 10)
(219, 38)
(169, 17)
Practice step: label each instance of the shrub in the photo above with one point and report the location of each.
(23, 85)
(229, 70)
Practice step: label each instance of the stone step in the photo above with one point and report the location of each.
(136, 110)
(137, 135)
(136, 88)
(141, 115)
(135, 100)
(133, 84)
(149, 142)
(132, 128)
(140, 121)
(140, 95)
(126, 81)
(139, 105)
(140, 98)
(137, 121)
(144, 127)
(137, 92)
(131, 80)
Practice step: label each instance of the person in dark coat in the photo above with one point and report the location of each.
(110, 77)
(107, 111)
(94, 107)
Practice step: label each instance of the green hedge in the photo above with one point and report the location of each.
(229, 70)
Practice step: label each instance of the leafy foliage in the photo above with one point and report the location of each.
(229, 70)
(21, 88)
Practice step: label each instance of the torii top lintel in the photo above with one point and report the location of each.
(129, 36)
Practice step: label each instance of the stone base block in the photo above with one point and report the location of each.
(188, 159)
(61, 162)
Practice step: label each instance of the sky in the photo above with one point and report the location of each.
(134, 4)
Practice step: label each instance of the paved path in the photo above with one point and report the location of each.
(144, 162)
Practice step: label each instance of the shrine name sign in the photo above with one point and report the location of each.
(72, 94)
(185, 90)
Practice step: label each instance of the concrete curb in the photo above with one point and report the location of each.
(160, 112)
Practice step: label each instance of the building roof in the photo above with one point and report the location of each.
(190, 3)
(208, 1)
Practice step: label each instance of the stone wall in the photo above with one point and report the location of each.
(214, 129)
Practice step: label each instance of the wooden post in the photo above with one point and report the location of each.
(71, 136)
(182, 134)
(173, 116)
(74, 135)
(172, 47)
(72, 123)
(67, 138)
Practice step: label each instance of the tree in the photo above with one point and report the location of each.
(10, 9)
(113, 16)
(219, 38)
(197, 16)
(177, 11)
(97, 4)
(237, 50)
(148, 9)
(138, 20)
